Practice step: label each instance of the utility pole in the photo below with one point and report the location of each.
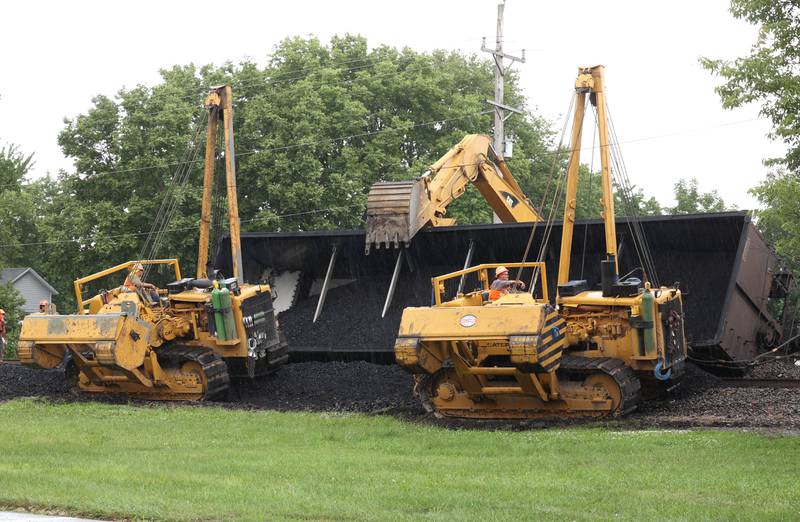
(501, 111)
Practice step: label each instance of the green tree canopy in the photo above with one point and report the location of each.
(17, 213)
(689, 199)
(779, 220)
(11, 302)
(315, 127)
(770, 74)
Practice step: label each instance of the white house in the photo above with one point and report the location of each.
(30, 285)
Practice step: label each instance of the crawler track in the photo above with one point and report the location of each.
(214, 368)
(572, 368)
(629, 384)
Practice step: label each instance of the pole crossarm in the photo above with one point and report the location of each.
(501, 55)
(505, 107)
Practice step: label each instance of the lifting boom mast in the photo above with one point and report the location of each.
(590, 80)
(219, 103)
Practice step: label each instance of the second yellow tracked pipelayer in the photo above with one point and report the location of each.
(519, 356)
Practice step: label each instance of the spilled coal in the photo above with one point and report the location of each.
(702, 400)
(350, 321)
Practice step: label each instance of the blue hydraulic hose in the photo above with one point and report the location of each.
(661, 376)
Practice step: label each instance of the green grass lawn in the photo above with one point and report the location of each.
(183, 463)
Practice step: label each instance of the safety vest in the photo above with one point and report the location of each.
(496, 294)
(129, 284)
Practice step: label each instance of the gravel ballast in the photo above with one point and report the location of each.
(702, 400)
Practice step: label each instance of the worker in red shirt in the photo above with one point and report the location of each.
(2, 334)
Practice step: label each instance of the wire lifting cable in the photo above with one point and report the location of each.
(634, 222)
(588, 196)
(219, 199)
(550, 177)
(560, 179)
(626, 192)
(170, 201)
(553, 211)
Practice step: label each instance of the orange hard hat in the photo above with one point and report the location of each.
(500, 270)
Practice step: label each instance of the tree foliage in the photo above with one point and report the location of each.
(11, 301)
(17, 213)
(779, 219)
(689, 199)
(770, 74)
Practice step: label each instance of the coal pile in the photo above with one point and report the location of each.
(19, 381)
(356, 386)
(776, 369)
(351, 321)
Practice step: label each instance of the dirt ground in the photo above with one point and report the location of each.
(702, 400)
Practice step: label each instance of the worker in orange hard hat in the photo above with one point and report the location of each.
(134, 283)
(44, 306)
(502, 284)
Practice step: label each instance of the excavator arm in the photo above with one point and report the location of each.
(396, 211)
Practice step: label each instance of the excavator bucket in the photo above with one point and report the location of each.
(395, 213)
(727, 274)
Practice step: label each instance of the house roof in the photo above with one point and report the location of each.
(10, 275)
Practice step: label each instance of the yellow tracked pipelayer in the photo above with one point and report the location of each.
(519, 356)
(184, 345)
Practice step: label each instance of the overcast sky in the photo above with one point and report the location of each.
(58, 55)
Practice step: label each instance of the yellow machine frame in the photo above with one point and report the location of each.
(451, 345)
(612, 325)
(127, 266)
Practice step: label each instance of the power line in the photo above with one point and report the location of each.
(99, 237)
(275, 149)
(435, 122)
(282, 147)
